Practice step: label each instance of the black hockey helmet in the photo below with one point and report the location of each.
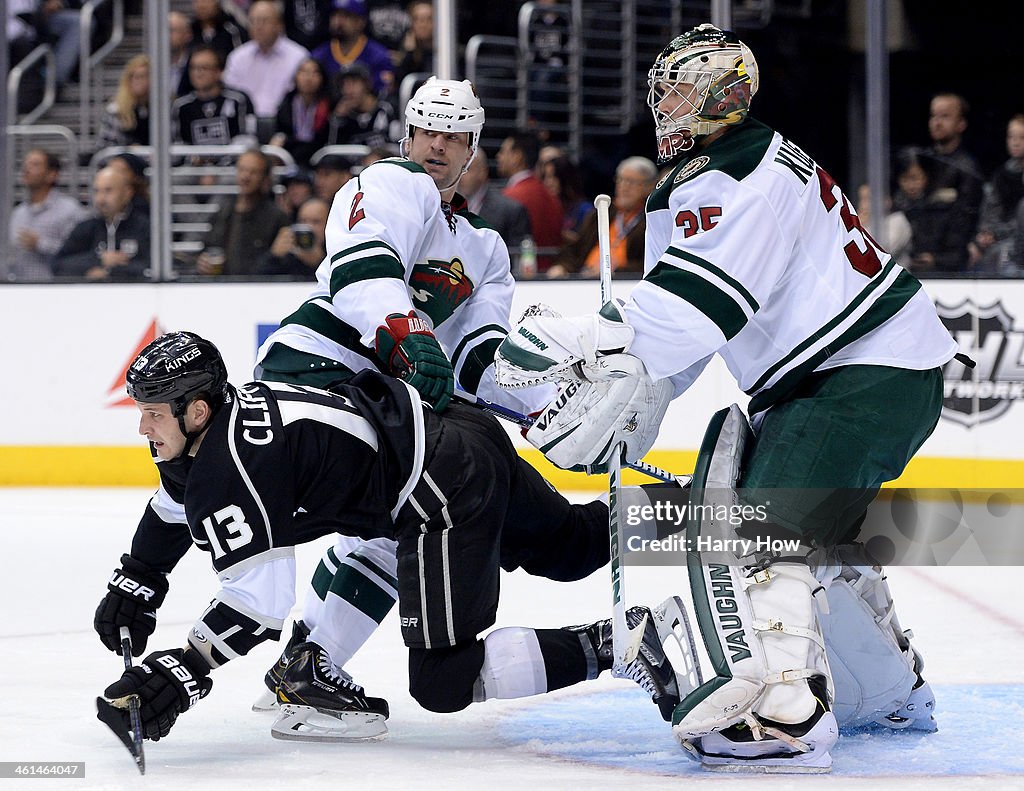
(177, 368)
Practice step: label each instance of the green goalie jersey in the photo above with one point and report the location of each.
(754, 252)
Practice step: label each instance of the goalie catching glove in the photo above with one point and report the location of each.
(167, 683)
(411, 352)
(134, 593)
(580, 429)
(546, 347)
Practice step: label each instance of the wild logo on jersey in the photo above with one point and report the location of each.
(439, 287)
(987, 334)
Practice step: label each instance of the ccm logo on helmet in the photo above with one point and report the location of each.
(441, 115)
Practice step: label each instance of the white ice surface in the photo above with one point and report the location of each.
(59, 546)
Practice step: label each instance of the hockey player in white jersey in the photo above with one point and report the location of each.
(248, 473)
(412, 280)
(754, 253)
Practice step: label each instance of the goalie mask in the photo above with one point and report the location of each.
(175, 369)
(701, 82)
(445, 106)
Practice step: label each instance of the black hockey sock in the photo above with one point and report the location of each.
(565, 661)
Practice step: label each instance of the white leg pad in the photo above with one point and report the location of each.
(513, 665)
(872, 661)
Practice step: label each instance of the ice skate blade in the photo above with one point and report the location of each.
(782, 766)
(266, 702)
(307, 724)
(717, 753)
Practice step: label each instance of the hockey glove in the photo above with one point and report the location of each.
(167, 683)
(411, 352)
(134, 593)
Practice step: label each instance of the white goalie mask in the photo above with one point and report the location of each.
(702, 81)
(445, 106)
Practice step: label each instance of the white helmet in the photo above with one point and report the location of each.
(446, 106)
(721, 75)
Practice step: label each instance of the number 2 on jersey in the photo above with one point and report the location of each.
(355, 213)
(865, 261)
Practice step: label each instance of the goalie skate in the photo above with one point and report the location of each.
(320, 703)
(267, 701)
(769, 747)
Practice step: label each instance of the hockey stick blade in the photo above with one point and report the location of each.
(634, 637)
(133, 704)
(113, 718)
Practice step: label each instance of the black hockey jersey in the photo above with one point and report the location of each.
(216, 121)
(279, 466)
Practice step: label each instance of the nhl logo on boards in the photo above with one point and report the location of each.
(986, 334)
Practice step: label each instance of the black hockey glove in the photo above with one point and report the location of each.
(135, 591)
(411, 352)
(167, 683)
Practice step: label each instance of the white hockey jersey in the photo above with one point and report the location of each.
(391, 248)
(753, 252)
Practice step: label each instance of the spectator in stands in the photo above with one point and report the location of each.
(265, 67)
(417, 53)
(53, 22)
(39, 226)
(548, 55)
(211, 114)
(113, 245)
(297, 186)
(332, 173)
(955, 181)
(349, 45)
(634, 181)
(993, 249)
(22, 34)
(306, 23)
(506, 216)
(299, 249)
(212, 25)
(562, 179)
(126, 119)
(181, 46)
(134, 169)
(304, 115)
(926, 212)
(388, 22)
(360, 117)
(246, 224)
(896, 233)
(517, 161)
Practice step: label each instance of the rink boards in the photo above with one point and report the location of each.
(66, 348)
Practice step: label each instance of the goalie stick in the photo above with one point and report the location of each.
(625, 641)
(113, 716)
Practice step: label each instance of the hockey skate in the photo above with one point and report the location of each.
(651, 669)
(267, 701)
(771, 747)
(321, 703)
